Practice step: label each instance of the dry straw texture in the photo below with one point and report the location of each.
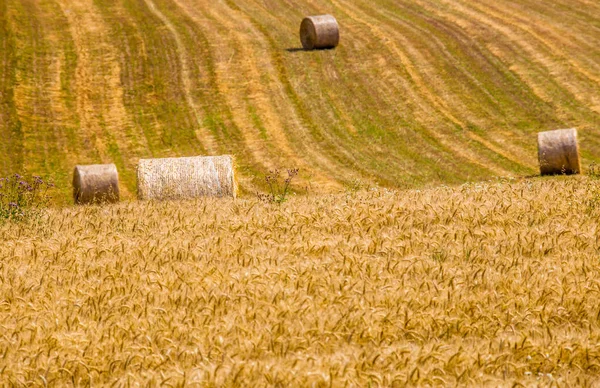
(492, 284)
(558, 152)
(319, 32)
(180, 178)
(95, 183)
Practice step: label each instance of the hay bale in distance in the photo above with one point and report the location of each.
(319, 32)
(190, 177)
(558, 152)
(95, 183)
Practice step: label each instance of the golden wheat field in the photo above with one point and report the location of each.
(494, 283)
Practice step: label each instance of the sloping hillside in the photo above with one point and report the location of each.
(418, 92)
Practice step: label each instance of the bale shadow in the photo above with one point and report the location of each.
(295, 49)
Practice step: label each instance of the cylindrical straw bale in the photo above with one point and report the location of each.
(319, 32)
(191, 177)
(558, 152)
(95, 183)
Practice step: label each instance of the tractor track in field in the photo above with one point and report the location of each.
(473, 13)
(286, 101)
(381, 85)
(230, 91)
(204, 136)
(494, 140)
(555, 60)
(335, 109)
(404, 55)
(539, 63)
(461, 111)
(417, 93)
(336, 161)
(148, 60)
(37, 90)
(562, 65)
(104, 123)
(382, 82)
(234, 86)
(255, 60)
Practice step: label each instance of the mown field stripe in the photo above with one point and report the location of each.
(232, 76)
(205, 137)
(580, 82)
(459, 147)
(218, 114)
(104, 120)
(437, 59)
(469, 79)
(361, 152)
(11, 148)
(38, 65)
(254, 57)
(382, 135)
(303, 133)
(520, 53)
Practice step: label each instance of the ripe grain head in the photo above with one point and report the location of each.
(493, 283)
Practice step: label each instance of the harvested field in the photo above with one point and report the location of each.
(418, 93)
(495, 283)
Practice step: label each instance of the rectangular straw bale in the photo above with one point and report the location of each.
(188, 177)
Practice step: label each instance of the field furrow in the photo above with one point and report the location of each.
(418, 93)
(423, 79)
(236, 77)
(459, 66)
(11, 148)
(40, 65)
(204, 136)
(107, 131)
(545, 48)
(300, 128)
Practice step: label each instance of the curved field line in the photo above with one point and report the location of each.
(479, 14)
(288, 103)
(334, 79)
(246, 90)
(514, 154)
(204, 136)
(413, 160)
(555, 60)
(411, 153)
(104, 120)
(235, 86)
(494, 140)
(420, 84)
(507, 45)
(37, 90)
(86, 82)
(252, 87)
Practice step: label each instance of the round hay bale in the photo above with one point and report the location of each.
(191, 177)
(95, 183)
(319, 32)
(558, 152)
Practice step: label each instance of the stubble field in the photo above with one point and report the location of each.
(495, 283)
(418, 93)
